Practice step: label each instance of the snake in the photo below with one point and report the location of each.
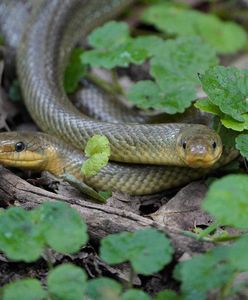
(145, 158)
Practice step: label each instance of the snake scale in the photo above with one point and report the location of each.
(52, 30)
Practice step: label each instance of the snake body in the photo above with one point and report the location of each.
(53, 30)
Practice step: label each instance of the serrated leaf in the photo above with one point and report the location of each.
(28, 289)
(135, 294)
(74, 71)
(145, 257)
(64, 238)
(242, 144)
(113, 47)
(151, 43)
(147, 94)
(121, 56)
(225, 37)
(233, 124)
(210, 273)
(227, 200)
(98, 149)
(111, 34)
(103, 289)
(66, 282)
(97, 144)
(175, 71)
(206, 105)
(20, 237)
(227, 88)
(181, 60)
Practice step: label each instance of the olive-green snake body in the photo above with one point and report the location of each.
(53, 30)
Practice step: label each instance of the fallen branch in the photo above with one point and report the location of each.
(101, 219)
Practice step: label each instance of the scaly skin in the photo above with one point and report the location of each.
(44, 152)
(41, 59)
(42, 55)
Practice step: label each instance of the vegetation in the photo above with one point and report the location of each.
(182, 56)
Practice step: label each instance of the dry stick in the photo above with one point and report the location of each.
(101, 219)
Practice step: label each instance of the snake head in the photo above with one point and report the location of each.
(22, 150)
(199, 147)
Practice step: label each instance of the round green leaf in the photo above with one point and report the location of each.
(63, 227)
(148, 250)
(20, 237)
(202, 273)
(66, 282)
(103, 289)
(242, 144)
(28, 289)
(227, 200)
(135, 294)
(228, 89)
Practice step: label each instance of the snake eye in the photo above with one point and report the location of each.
(184, 145)
(214, 145)
(20, 146)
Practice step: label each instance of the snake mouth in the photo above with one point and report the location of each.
(202, 162)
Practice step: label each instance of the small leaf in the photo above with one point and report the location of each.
(114, 47)
(103, 289)
(209, 273)
(28, 289)
(242, 144)
(238, 255)
(20, 237)
(115, 57)
(74, 71)
(147, 94)
(225, 37)
(63, 237)
(167, 295)
(66, 282)
(135, 294)
(206, 105)
(148, 250)
(98, 149)
(111, 34)
(227, 88)
(175, 68)
(227, 200)
(97, 144)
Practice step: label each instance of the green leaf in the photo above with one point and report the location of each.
(74, 71)
(151, 43)
(175, 68)
(66, 282)
(206, 105)
(242, 144)
(233, 124)
(103, 289)
(167, 295)
(98, 149)
(20, 237)
(148, 250)
(135, 294)
(238, 255)
(28, 289)
(201, 274)
(113, 47)
(111, 34)
(227, 88)
(225, 37)
(227, 200)
(115, 57)
(63, 237)
(181, 60)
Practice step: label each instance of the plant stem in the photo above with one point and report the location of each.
(48, 258)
